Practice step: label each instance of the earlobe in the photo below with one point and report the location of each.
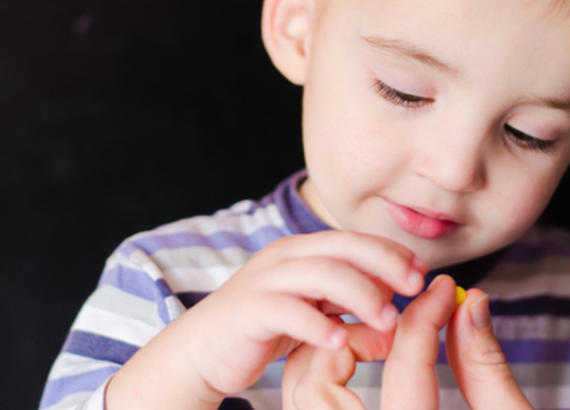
(286, 27)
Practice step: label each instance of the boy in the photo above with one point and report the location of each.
(434, 135)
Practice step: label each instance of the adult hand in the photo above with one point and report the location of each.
(315, 378)
(478, 363)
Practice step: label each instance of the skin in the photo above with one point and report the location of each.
(450, 156)
(315, 378)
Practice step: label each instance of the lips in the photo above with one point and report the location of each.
(422, 222)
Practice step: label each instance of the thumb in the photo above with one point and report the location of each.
(477, 360)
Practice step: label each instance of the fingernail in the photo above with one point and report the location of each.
(389, 315)
(480, 313)
(415, 279)
(338, 338)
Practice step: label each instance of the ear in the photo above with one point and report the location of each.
(286, 28)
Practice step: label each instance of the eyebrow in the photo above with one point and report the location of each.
(557, 104)
(410, 51)
(416, 53)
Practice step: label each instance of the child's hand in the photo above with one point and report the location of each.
(314, 378)
(409, 379)
(280, 298)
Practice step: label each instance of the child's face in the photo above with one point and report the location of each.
(477, 144)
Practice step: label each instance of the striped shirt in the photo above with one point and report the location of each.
(153, 277)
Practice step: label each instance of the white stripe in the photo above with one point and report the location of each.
(112, 299)
(71, 402)
(166, 259)
(69, 364)
(95, 320)
(83, 401)
(511, 270)
(199, 280)
(531, 327)
(137, 260)
(97, 399)
(545, 283)
(449, 399)
(548, 397)
(174, 307)
(232, 219)
(200, 257)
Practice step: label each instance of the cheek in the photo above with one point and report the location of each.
(519, 206)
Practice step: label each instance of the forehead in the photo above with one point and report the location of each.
(557, 11)
(484, 38)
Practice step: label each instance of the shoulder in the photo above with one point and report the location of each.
(186, 259)
(245, 226)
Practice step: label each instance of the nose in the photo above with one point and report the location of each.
(454, 164)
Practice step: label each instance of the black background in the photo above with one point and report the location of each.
(115, 117)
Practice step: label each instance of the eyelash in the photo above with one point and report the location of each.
(399, 98)
(414, 102)
(526, 141)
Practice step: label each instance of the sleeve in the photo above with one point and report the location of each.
(131, 304)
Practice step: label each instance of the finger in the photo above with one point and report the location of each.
(306, 386)
(477, 360)
(315, 378)
(278, 314)
(409, 380)
(324, 278)
(368, 344)
(364, 344)
(395, 264)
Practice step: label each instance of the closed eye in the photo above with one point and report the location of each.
(398, 97)
(527, 141)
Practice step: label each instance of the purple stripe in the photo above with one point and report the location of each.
(543, 305)
(98, 347)
(58, 389)
(521, 252)
(135, 282)
(127, 248)
(138, 283)
(219, 240)
(527, 351)
(536, 351)
(298, 217)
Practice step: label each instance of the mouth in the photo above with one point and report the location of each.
(422, 222)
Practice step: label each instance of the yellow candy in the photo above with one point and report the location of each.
(460, 295)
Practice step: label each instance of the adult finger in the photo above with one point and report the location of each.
(476, 358)
(409, 380)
